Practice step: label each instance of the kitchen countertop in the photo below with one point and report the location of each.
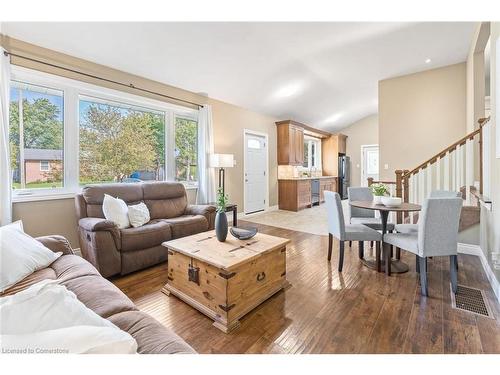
(304, 178)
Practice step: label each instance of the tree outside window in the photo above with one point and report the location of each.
(35, 134)
(186, 150)
(118, 143)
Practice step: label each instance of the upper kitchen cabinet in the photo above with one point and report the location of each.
(331, 147)
(290, 143)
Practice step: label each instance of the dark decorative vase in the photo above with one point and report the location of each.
(221, 226)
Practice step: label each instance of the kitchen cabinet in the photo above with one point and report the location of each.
(331, 147)
(295, 194)
(326, 184)
(290, 143)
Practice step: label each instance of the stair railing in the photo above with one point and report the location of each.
(450, 169)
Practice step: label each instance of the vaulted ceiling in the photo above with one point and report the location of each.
(323, 74)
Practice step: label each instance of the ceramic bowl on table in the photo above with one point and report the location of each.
(243, 234)
(391, 201)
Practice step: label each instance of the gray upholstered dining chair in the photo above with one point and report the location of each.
(346, 232)
(362, 215)
(435, 236)
(409, 228)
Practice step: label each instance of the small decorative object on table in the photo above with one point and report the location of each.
(391, 201)
(243, 234)
(379, 190)
(221, 218)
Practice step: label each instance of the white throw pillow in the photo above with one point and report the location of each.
(115, 210)
(21, 255)
(47, 316)
(138, 215)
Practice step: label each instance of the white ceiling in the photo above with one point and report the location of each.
(323, 74)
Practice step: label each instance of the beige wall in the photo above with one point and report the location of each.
(362, 132)
(475, 76)
(419, 115)
(229, 124)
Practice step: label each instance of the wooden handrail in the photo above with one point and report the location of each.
(458, 143)
(371, 181)
(403, 176)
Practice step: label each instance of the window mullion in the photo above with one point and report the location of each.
(170, 145)
(308, 155)
(71, 146)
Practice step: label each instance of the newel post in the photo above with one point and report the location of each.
(370, 181)
(399, 192)
(406, 186)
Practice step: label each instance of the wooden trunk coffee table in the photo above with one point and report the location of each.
(225, 280)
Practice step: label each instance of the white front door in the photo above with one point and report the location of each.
(255, 173)
(369, 154)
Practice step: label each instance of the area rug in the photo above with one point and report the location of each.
(310, 220)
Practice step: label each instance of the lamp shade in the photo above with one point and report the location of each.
(221, 160)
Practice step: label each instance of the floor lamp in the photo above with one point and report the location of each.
(222, 161)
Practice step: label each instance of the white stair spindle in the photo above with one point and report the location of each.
(421, 186)
(446, 171)
(469, 168)
(462, 166)
(453, 162)
(438, 174)
(459, 165)
(430, 171)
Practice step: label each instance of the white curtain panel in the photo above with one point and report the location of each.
(206, 175)
(5, 174)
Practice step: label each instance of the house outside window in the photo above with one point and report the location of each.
(66, 133)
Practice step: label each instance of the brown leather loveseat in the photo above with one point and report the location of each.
(120, 251)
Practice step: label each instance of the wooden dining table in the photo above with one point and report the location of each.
(396, 265)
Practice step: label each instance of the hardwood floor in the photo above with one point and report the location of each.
(324, 311)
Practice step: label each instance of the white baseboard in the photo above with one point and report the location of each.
(464, 248)
(469, 249)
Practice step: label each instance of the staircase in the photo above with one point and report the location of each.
(451, 169)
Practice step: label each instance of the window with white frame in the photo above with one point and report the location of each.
(119, 142)
(44, 166)
(36, 131)
(312, 153)
(77, 133)
(186, 150)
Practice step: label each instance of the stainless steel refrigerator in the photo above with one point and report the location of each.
(344, 175)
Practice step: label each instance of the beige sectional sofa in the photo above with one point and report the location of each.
(120, 251)
(105, 299)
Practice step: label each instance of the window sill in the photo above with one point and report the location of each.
(22, 198)
(42, 197)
